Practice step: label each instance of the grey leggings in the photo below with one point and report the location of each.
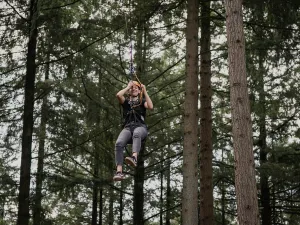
(139, 133)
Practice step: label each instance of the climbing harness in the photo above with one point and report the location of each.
(134, 117)
(135, 113)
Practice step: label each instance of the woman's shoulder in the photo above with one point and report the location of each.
(125, 103)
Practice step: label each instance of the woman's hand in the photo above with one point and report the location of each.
(129, 85)
(143, 87)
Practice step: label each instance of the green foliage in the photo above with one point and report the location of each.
(85, 47)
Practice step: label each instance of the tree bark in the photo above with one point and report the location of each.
(245, 183)
(266, 212)
(262, 143)
(138, 195)
(223, 195)
(41, 153)
(206, 173)
(95, 185)
(96, 155)
(100, 205)
(168, 188)
(190, 142)
(111, 207)
(121, 205)
(24, 188)
(110, 192)
(161, 200)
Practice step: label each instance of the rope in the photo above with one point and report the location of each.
(131, 68)
(132, 72)
(129, 33)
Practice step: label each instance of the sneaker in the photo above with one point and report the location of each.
(118, 176)
(131, 161)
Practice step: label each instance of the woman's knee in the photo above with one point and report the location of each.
(140, 133)
(120, 144)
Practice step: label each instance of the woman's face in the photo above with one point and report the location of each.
(134, 91)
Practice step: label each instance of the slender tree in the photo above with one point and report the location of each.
(245, 183)
(121, 206)
(96, 165)
(161, 199)
(262, 144)
(138, 195)
(95, 188)
(206, 154)
(37, 207)
(190, 143)
(101, 205)
(168, 187)
(138, 203)
(24, 188)
(223, 198)
(266, 217)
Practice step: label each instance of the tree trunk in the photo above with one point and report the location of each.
(2, 207)
(168, 188)
(190, 142)
(96, 155)
(262, 143)
(100, 205)
(138, 195)
(274, 204)
(95, 185)
(110, 192)
(111, 207)
(41, 153)
(121, 205)
(206, 185)
(223, 204)
(24, 188)
(245, 183)
(161, 209)
(138, 191)
(223, 196)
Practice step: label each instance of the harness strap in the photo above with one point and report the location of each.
(131, 113)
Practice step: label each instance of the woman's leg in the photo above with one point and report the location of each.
(121, 142)
(139, 134)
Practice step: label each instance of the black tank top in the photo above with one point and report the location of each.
(133, 111)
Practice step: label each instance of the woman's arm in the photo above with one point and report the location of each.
(148, 103)
(121, 93)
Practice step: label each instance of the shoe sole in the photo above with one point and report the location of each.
(130, 162)
(118, 178)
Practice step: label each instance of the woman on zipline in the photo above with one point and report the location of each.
(135, 129)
